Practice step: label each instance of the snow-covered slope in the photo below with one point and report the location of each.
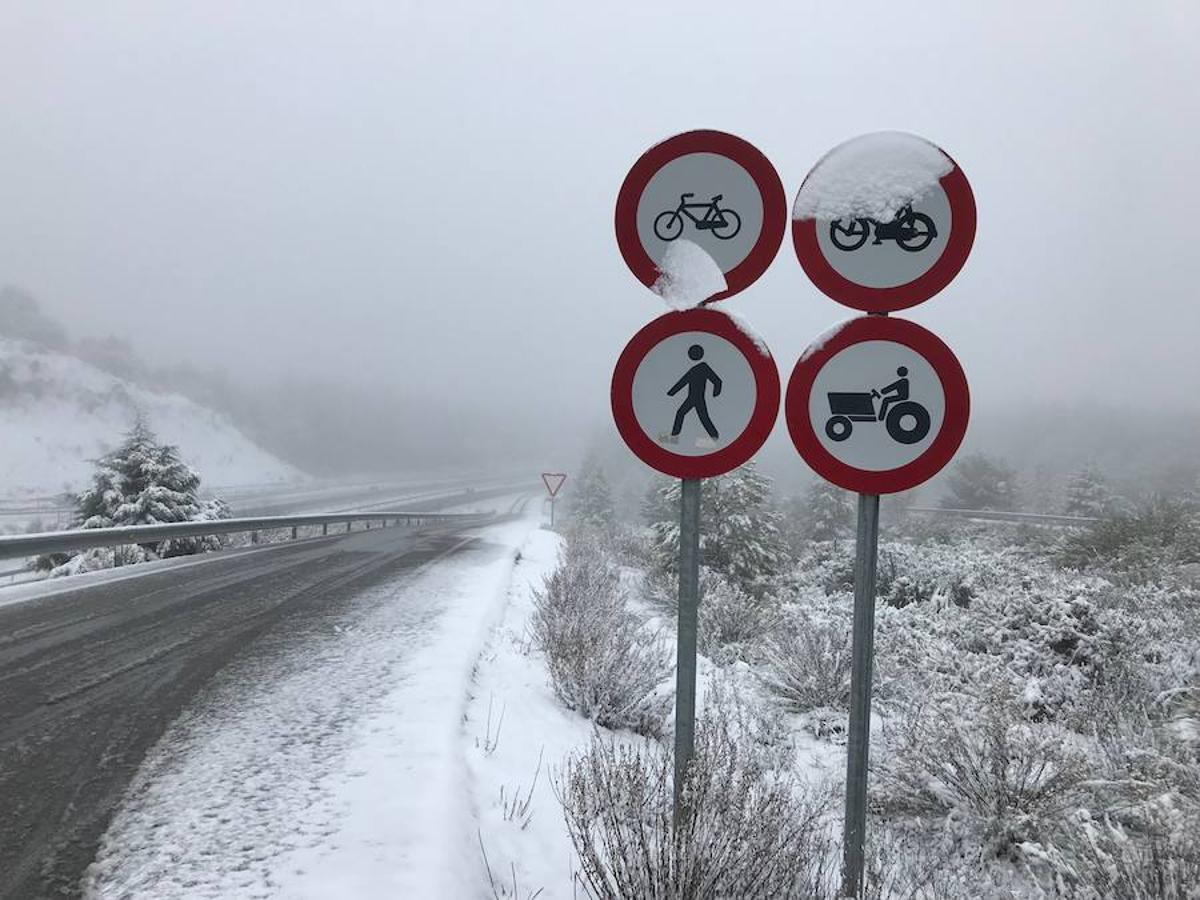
(57, 413)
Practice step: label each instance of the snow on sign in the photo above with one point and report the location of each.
(693, 395)
(883, 222)
(554, 482)
(877, 406)
(708, 188)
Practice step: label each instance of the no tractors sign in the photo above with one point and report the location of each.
(878, 406)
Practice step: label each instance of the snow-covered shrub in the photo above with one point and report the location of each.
(731, 621)
(740, 532)
(602, 663)
(1099, 860)
(806, 664)
(980, 758)
(748, 830)
(1158, 533)
(825, 512)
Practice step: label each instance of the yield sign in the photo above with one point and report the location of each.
(553, 481)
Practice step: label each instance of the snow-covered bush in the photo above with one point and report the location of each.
(731, 621)
(824, 512)
(1158, 533)
(1099, 860)
(602, 662)
(740, 532)
(979, 758)
(806, 664)
(748, 830)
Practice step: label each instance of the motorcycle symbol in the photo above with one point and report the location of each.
(723, 223)
(907, 421)
(912, 231)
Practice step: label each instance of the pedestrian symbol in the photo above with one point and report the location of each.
(693, 395)
(696, 380)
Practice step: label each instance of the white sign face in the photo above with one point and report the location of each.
(877, 405)
(887, 254)
(707, 199)
(694, 393)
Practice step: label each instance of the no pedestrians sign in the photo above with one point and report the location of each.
(693, 395)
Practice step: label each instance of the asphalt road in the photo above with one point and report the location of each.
(90, 678)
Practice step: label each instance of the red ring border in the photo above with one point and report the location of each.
(762, 419)
(746, 155)
(935, 457)
(903, 296)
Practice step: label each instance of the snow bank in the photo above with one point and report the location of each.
(58, 413)
(689, 276)
(871, 176)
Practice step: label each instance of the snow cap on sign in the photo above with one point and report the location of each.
(688, 275)
(872, 176)
(744, 326)
(824, 338)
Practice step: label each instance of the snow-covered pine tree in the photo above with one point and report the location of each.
(1088, 493)
(591, 500)
(740, 532)
(979, 482)
(828, 511)
(143, 482)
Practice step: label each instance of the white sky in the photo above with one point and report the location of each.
(423, 192)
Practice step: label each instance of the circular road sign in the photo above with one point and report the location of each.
(878, 405)
(694, 395)
(883, 222)
(710, 188)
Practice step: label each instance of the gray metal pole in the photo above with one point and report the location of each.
(866, 553)
(685, 648)
(551, 512)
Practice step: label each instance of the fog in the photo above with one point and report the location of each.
(403, 211)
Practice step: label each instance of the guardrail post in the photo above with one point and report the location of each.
(293, 532)
(254, 537)
(325, 529)
(349, 525)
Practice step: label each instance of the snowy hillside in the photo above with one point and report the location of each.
(57, 413)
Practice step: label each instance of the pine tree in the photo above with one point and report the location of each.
(740, 533)
(828, 511)
(143, 482)
(591, 501)
(980, 482)
(1088, 493)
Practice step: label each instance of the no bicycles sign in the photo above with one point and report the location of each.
(878, 406)
(708, 187)
(693, 395)
(883, 222)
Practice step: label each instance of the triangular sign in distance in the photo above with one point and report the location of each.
(553, 481)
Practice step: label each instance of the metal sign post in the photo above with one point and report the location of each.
(685, 664)
(866, 552)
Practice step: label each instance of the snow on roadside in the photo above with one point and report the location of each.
(517, 736)
(335, 772)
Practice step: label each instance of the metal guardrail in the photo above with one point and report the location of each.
(996, 515)
(86, 538)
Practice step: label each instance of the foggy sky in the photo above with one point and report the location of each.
(421, 194)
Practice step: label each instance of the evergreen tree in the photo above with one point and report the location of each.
(980, 482)
(591, 501)
(740, 533)
(828, 511)
(143, 482)
(1088, 493)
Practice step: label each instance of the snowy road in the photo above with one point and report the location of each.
(91, 678)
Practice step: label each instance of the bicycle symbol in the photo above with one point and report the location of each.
(723, 223)
(912, 231)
